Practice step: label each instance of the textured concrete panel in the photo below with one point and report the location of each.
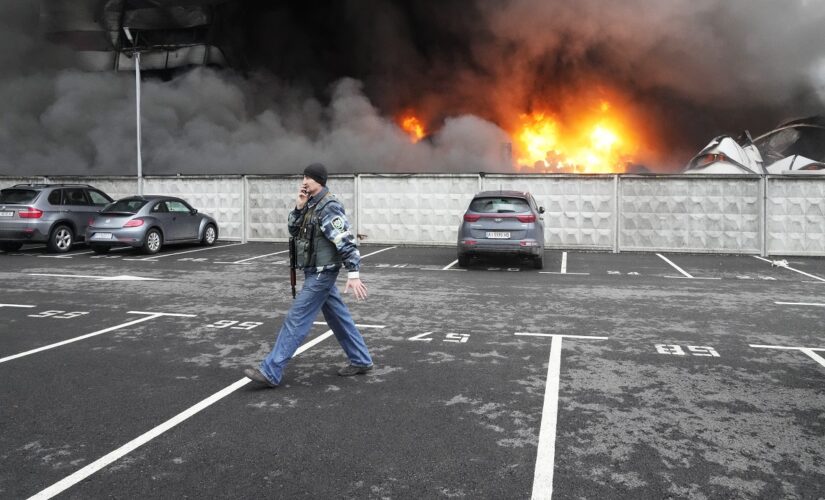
(417, 209)
(796, 216)
(663, 213)
(578, 209)
(690, 215)
(270, 200)
(220, 197)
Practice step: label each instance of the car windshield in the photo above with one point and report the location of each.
(126, 206)
(499, 205)
(804, 140)
(17, 195)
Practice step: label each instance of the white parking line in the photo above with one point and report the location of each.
(685, 273)
(139, 441)
(122, 277)
(253, 258)
(451, 264)
(153, 257)
(14, 305)
(786, 266)
(690, 278)
(564, 263)
(809, 351)
(151, 316)
(543, 475)
(68, 256)
(556, 272)
(800, 304)
(359, 326)
(377, 251)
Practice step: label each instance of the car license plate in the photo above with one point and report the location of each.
(6, 214)
(498, 235)
(102, 236)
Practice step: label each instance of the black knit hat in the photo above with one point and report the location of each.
(318, 172)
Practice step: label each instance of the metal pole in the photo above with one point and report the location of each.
(357, 193)
(617, 227)
(763, 216)
(137, 107)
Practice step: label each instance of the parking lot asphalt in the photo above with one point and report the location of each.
(601, 376)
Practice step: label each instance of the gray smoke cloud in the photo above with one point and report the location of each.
(686, 71)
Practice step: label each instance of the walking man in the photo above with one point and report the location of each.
(323, 243)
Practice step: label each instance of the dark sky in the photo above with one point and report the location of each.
(325, 81)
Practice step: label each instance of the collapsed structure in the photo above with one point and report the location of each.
(185, 34)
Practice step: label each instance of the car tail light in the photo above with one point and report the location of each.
(707, 159)
(134, 223)
(526, 218)
(471, 217)
(469, 242)
(30, 213)
(91, 221)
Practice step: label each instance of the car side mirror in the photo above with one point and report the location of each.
(193, 211)
(541, 210)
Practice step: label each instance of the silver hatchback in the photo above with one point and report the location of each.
(502, 222)
(55, 214)
(148, 223)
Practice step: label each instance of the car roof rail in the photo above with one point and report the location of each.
(41, 184)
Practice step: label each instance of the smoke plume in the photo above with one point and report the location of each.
(326, 81)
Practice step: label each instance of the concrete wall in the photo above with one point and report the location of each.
(773, 215)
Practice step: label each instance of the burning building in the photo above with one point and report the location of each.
(256, 86)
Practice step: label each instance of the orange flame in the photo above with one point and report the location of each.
(413, 127)
(592, 144)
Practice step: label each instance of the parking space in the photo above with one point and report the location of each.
(602, 376)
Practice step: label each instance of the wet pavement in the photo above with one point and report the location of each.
(601, 376)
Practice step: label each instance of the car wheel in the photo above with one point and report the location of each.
(210, 235)
(538, 262)
(10, 247)
(153, 242)
(463, 260)
(61, 239)
(101, 249)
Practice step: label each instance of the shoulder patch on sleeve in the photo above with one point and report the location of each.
(338, 223)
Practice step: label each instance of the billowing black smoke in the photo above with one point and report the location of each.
(324, 81)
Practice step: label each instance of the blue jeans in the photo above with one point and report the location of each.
(318, 293)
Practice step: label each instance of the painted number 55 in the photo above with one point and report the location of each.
(58, 314)
(234, 325)
(694, 350)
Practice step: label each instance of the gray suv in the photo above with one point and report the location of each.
(55, 214)
(502, 222)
